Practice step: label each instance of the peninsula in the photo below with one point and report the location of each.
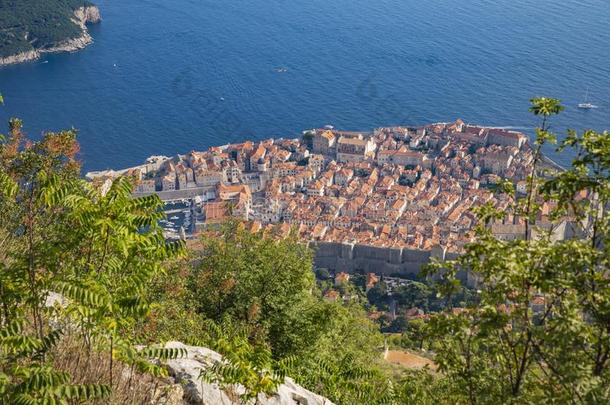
(398, 189)
(29, 28)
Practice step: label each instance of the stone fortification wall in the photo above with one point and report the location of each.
(350, 258)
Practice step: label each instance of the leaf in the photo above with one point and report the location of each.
(164, 353)
(8, 187)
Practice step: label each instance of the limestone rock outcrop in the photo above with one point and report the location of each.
(186, 371)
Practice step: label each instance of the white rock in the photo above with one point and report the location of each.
(186, 370)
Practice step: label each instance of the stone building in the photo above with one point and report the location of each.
(355, 149)
(324, 143)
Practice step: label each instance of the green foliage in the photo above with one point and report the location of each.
(540, 331)
(344, 363)
(43, 385)
(259, 281)
(545, 106)
(378, 295)
(347, 381)
(361, 173)
(415, 334)
(247, 367)
(163, 353)
(124, 248)
(92, 250)
(423, 387)
(255, 298)
(36, 24)
(413, 294)
(323, 274)
(26, 379)
(535, 332)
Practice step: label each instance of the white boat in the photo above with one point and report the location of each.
(586, 105)
(174, 217)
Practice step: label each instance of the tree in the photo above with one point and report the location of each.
(396, 325)
(89, 249)
(323, 274)
(424, 388)
(378, 295)
(122, 249)
(540, 330)
(416, 332)
(308, 138)
(348, 382)
(30, 233)
(233, 273)
(262, 281)
(247, 366)
(413, 294)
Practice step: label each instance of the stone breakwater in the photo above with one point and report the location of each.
(82, 17)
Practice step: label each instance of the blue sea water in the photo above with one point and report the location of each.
(169, 76)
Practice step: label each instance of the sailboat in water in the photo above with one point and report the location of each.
(586, 105)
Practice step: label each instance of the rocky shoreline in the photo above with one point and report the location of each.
(82, 17)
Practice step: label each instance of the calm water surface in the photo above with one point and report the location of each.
(168, 76)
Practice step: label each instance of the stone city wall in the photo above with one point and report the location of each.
(350, 258)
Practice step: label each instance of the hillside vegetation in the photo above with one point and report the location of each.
(37, 24)
(121, 291)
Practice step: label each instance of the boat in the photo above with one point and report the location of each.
(586, 105)
(174, 217)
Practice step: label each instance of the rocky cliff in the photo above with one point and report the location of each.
(186, 370)
(82, 17)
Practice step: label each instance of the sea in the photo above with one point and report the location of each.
(171, 76)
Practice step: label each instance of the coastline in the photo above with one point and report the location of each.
(398, 196)
(82, 17)
(111, 172)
